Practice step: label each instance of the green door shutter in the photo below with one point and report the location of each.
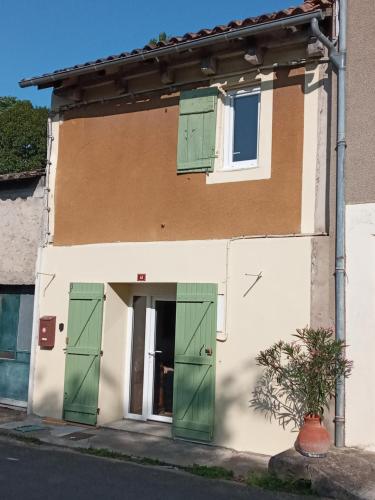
(83, 352)
(194, 377)
(197, 130)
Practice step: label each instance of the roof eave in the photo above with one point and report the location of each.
(296, 20)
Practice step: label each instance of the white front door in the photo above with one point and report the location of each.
(151, 359)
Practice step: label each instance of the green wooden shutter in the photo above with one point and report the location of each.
(83, 352)
(197, 130)
(194, 377)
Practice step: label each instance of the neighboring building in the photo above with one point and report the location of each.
(184, 238)
(360, 225)
(21, 206)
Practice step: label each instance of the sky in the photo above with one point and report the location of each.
(39, 36)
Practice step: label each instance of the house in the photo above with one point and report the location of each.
(187, 227)
(21, 207)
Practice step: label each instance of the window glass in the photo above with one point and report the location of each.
(245, 127)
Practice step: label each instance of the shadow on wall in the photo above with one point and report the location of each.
(231, 400)
(24, 188)
(289, 78)
(272, 402)
(288, 413)
(121, 107)
(52, 402)
(283, 78)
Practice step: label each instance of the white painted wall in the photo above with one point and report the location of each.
(360, 324)
(277, 305)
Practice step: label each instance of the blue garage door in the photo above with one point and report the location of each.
(16, 318)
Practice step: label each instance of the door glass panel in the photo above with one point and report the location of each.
(137, 358)
(165, 322)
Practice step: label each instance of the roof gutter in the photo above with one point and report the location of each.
(287, 22)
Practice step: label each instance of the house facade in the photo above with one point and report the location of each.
(187, 227)
(21, 207)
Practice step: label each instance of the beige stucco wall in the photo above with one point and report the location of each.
(277, 305)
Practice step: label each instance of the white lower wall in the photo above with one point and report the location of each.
(257, 316)
(360, 324)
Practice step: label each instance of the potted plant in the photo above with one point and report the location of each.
(299, 382)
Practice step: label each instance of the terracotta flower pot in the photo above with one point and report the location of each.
(313, 439)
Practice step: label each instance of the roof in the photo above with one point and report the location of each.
(308, 6)
(15, 176)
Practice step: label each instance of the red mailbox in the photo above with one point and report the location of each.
(47, 328)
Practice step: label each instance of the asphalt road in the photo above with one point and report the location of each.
(36, 472)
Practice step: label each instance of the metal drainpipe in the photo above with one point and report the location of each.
(338, 58)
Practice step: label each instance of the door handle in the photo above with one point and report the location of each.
(207, 350)
(155, 352)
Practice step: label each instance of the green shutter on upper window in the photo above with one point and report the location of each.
(197, 130)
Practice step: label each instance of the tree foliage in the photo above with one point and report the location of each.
(299, 377)
(23, 135)
(7, 102)
(162, 37)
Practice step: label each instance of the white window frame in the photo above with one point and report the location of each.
(229, 164)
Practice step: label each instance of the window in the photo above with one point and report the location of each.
(227, 135)
(241, 129)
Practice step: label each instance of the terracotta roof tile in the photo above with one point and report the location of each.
(306, 7)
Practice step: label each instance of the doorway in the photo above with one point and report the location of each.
(16, 318)
(151, 359)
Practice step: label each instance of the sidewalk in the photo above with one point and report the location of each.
(347, 473)
(8, 414)
(132, 444)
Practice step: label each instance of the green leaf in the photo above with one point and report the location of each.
(299, 377)
(23, 136)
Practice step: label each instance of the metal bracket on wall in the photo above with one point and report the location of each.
(257, 278)
(53, 276)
